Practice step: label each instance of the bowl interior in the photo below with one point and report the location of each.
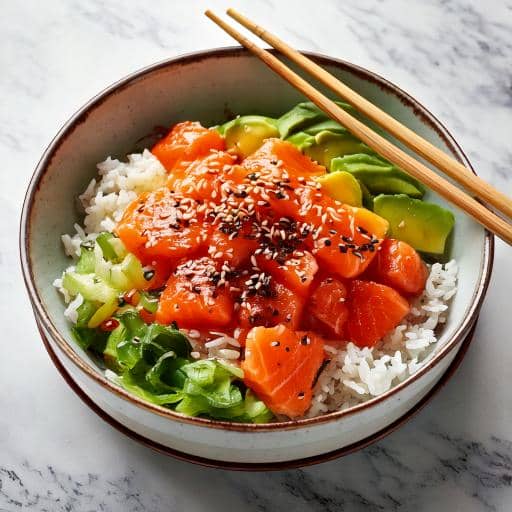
(209, 87)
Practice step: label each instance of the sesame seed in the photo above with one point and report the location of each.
(305, 340)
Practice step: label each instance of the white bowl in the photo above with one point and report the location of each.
(211, 86)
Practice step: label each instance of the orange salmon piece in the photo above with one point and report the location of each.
(398, 265)
(328, 304)
(201, 178)
(192, 299)
(281, 365)
(276, 305)
(163, 225)
(297, 272)
(281, 159)
(374, 310)
(186, 141)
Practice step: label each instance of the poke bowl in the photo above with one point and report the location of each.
(229, 276)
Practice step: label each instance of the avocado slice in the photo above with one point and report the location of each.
(343, 187)
(425, 226)
(329, 125)
(303, 116)
(326, 145)
(301, 140)
(329, 145)
(379, 175)
(246, 134)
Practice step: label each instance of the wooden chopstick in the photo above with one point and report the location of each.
(388, 150)
(461, 174)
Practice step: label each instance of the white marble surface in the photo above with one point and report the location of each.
(56, 455)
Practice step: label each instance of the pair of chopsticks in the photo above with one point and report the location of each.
(458, 172)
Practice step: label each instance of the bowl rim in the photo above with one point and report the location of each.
(80, 117)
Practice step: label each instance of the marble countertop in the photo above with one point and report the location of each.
(56, 455)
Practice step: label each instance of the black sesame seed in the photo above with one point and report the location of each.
(327, 242)
(305, 340)
(362, 230)
(149, 274)
(343, 248)
(287, 349)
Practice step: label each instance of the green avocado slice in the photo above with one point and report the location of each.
(378, 175)
(305, 115)
(326, 145)
(343, 187)
(425, 226)
(246, 134)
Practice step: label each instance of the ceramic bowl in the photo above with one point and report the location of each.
(210, 86)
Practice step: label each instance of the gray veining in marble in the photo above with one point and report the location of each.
(453, 55)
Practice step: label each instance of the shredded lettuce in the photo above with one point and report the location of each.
(153, 362)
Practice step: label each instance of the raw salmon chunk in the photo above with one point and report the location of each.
(374, 310)
(328, 304)
(268, 305)
(201, 178)
(185, 142)
(278, 158)
(233, 247)
(281, 366)
(398, 265)
(192, 298)
(296, 272)
(163, 225)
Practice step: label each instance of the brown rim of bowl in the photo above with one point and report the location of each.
(262, 466)
(81, 115)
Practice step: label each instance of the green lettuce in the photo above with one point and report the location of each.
(153, 362)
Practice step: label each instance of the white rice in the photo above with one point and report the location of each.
(105, 200)
(353, 375)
